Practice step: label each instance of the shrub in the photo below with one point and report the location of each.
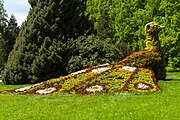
(173, 64)
(89, 51)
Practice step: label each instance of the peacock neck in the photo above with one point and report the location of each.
(152, 42)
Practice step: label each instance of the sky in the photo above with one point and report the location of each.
(19, 8)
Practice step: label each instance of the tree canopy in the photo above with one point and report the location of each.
(128, 18)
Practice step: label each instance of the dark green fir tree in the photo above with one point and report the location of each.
(3, 25)
(40, 51)
(11, 33)
(3, 17)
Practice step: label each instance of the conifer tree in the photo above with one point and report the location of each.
(3, 22)
(40, 52)
(3, 16)
(10, 35)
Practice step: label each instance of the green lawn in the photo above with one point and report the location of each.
(162, 105)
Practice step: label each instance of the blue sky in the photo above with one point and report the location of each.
(19, 8)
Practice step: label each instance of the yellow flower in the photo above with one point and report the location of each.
(107, 86)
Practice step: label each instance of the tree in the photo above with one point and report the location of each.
(3, 16)
(10, 35)
(123, 20)
(3, 22)
(128, 19)
(170, 16)
(103, 28)
(40, 49)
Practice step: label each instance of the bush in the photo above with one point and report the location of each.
(89, 51)
(173, 64)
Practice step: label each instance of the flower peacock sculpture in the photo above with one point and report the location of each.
(152, 39)
(138, 72)
(152, 56)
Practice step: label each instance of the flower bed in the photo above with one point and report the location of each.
(146, 59)
(103, 79)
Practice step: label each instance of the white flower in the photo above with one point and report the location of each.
(46, 91)
(23, 89)
(94, 88)
(0, 81)
(142, 86)
(27, 87)
(102, 65)
(128, 68)
(106, 64)
(78, 72)
(35, 85)
(100, 70)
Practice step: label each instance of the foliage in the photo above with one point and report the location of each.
(3, 23)
(40, 49)
(171, 35)
(104, 32)
(10, 35)
(174, 64)
(1, 57)
(89, 51)
(3, 16)
(127, 20)
(146, 59)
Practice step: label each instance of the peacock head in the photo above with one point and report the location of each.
(153, 28)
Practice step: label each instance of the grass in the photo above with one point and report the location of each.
(163, 105)
(9, 87)
(173, 76)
